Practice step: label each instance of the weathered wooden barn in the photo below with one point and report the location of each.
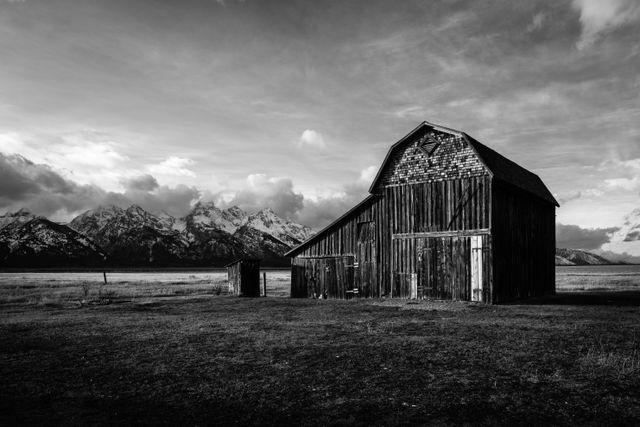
(243, 276)
(447, 218)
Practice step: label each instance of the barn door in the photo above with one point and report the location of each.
(443, 268)
(366, 259)
(431, 279)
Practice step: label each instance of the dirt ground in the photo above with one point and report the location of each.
(207, 359)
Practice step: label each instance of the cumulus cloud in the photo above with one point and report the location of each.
(141, 183)
(44, 191)
(176, 201)
(624, 257)
(311, 138)
(575, 237)
(599, 17)
(321, 212)
(85, 156)
(261, 191)
(41, 189)
(174, 166)
(367, 174)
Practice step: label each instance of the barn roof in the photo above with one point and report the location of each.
(499, 166)
(511, 172)
(334, 224)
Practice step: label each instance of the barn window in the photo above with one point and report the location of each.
(428, 145)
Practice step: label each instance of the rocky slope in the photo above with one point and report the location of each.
(578, 257)
(30, 242)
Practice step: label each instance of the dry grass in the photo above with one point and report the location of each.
(207, 359)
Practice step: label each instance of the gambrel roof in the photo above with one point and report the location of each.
(497, 165)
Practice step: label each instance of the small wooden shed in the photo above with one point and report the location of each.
(447, 218)
(244, 277)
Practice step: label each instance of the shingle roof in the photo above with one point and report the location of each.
(510, 172)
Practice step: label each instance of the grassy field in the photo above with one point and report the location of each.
(195, 357)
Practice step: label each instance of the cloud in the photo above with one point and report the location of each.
(86, 156)
(261, 191)
(321, 212)
(174, 166)
(140, 183)
(575, 237)
(44, 191)
(311, 138)
(536, 22)
(176, 201)
(619, 257)
(367, 174)
(601, 16)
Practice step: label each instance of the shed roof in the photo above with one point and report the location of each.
(243, 259)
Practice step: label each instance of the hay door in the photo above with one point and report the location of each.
(366, 258)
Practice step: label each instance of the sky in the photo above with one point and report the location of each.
(293, 104)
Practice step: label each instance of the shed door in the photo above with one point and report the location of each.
(366, 259)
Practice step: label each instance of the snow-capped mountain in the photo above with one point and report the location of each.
(39, 242)
(286, 231)
(133, 236)
(16, 218)
(578, 257)
(207, 235)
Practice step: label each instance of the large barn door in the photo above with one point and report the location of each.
(366, 258)
(443, 268)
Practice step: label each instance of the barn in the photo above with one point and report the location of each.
(446, 218)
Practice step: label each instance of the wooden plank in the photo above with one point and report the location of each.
(451, 233)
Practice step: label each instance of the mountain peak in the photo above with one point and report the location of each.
(19, 217)
(206, 205)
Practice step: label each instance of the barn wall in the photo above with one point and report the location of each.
(524, 244)
(402, 211)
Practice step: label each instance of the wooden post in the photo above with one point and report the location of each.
(264, 283)
(104, 274)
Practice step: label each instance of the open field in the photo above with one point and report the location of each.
(198, 358)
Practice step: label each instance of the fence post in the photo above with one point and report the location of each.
(104, 274)
(264, 283)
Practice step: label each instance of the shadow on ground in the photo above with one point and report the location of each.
(622, 298)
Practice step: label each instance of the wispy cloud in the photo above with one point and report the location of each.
(600, 17)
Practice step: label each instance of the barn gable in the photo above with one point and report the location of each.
(429, 153)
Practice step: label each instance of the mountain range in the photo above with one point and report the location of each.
(113, 236)
(566, 256)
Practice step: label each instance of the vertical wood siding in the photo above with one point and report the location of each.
(524, 244)
(458, 204)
